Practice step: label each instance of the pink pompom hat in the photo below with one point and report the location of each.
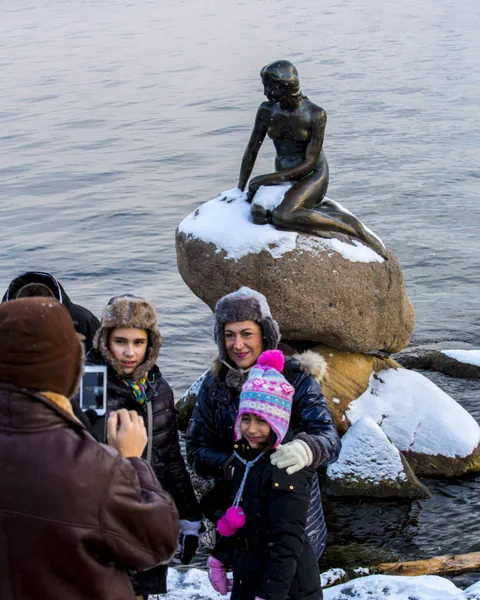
(267, 394)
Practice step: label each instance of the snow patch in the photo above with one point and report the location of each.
(416, 414)
(270, 196)
(226, 222)
(367, 455)
(192, 584)
(471, 357)
(361, 571)
(380, 587)
(331, 576)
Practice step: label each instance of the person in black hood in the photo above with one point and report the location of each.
(37, 283)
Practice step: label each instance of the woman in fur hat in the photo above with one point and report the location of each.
(244, 328)
(128, 343)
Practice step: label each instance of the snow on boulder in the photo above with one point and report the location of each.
(320, 289)
(470, 357)
(370, 465)
(436, 435)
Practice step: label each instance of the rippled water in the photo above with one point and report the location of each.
(117, 118)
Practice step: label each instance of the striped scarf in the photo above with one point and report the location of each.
(139, 389)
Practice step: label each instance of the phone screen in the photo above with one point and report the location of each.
(93, 391)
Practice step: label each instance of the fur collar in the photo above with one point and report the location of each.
(60, 401)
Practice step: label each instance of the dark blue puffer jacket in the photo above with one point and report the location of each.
(210, 434)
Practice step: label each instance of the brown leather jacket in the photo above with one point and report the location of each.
(74, 515)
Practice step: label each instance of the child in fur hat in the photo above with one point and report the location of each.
(128, 343)
(263, 532)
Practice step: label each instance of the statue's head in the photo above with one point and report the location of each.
(280, 79)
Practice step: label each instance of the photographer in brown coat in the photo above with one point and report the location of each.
(75, 515)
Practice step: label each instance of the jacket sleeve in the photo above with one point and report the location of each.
(172, 472)
(201, 438)
(289, 501)
(312, 421)
(138, 519)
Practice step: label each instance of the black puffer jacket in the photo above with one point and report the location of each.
(271, 556)
(84, 321)
(167, 461)
(210, 434)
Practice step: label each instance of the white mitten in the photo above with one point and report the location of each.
(294, 456)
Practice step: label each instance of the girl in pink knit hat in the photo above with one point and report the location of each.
(263, 536)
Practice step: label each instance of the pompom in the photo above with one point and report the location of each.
(273, 359)
(231, 522)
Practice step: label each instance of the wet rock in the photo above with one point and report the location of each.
(370, 465)
(450, 361)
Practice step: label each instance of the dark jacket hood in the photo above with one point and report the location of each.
(37, 277)
(84, 321)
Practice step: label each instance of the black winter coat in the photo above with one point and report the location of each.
(271, 555)
(167, 461)
(84, 321)
(210, 434)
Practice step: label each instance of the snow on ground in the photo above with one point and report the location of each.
(416, 414)
(367, 455)
(216, 221)
(380, 587)
(471, 357)
(194, 585)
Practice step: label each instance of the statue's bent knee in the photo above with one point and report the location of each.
(281, 218)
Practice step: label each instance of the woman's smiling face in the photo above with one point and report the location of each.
(243, 342)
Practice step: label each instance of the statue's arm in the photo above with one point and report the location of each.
(253, 147)
(312, 153)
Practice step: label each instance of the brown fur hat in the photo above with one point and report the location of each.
(40, 349)
(129, 311)
(245, 305)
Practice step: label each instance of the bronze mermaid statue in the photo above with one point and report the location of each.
(297, 127)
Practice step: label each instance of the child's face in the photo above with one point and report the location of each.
(255, 430)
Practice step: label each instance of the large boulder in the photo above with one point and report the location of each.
(437, 436)
(325, 290)
(370, 465)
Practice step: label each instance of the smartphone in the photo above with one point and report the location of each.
(93, 389)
